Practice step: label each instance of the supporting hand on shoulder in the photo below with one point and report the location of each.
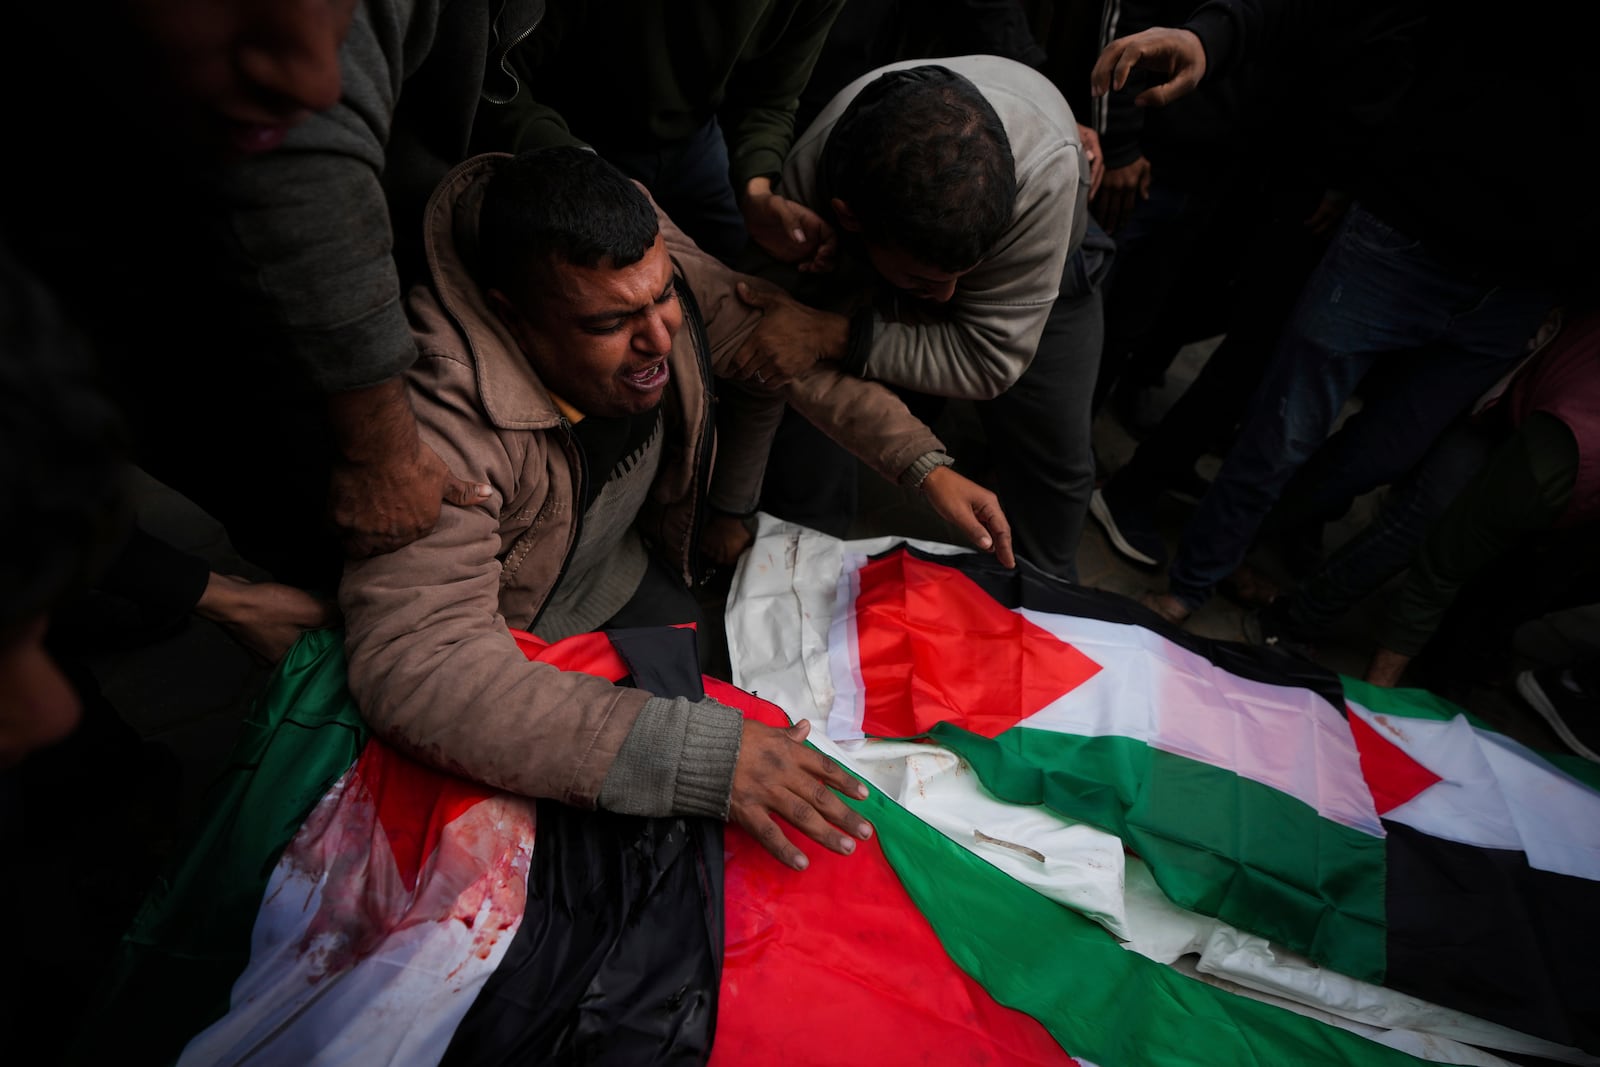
(387, 485)
(789, 339)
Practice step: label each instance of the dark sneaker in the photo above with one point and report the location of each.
(1131, 530)
(1569, 700)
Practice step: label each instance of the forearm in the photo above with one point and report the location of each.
(764, 92)
(1235, 31)
(975, 360)
(164, 582)
(308, 224)
(436, 672)
(375, 424)
(865, 418)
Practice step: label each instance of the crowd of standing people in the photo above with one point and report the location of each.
(462, 315)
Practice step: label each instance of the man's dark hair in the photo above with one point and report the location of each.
(62, 455)
(925, 165)
(556, 205)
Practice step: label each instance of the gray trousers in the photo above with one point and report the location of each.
(1039, 430)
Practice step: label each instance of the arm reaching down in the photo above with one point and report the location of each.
(972, 509)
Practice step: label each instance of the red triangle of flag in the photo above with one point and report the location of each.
(932, 646)
(1392, 776)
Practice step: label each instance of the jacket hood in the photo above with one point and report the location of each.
(510, 391)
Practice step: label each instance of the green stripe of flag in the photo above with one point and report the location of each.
(1099, 1000)
(1250, 855)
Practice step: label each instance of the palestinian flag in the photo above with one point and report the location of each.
(343, 904)
(1380, 833)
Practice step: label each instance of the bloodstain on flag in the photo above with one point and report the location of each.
(396, 846)
(932, 645)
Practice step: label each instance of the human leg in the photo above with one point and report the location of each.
(1376, 293)
(1524, 487)
(1387, 544)
(1039, 436)
(1410, 402)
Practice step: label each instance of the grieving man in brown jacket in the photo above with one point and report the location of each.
(568, 338)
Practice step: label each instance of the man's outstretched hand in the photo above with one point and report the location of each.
(778, 775)
(1176, 54)
(973, 509)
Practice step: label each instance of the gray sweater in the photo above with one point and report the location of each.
(998, 313)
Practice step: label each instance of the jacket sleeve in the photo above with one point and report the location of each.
(309, 223)
(763, 92)
(1232, 31)
(987, 334)
(1118, 122)
(436, 672)
(866, 419)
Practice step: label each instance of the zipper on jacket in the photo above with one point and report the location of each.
(580, 491)
(695, 567)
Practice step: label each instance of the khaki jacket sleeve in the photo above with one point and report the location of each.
(432, 665)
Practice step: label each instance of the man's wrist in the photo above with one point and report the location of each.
(373, 424)
(755, 188)
(916, 475)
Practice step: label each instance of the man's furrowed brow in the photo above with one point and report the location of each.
(613, 314)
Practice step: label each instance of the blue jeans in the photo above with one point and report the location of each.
(1441, 333)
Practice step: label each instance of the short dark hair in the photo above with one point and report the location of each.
(555, 205)
(62, 455)
(925, 164)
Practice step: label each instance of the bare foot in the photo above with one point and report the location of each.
(264, 617)
(1167, 606)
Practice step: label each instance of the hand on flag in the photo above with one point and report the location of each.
(778, 775)
(974, 510)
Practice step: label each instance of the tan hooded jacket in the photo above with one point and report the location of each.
(432, 665)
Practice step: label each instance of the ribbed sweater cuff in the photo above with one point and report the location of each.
(710, 752)
(913, 476)
(677, 760)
